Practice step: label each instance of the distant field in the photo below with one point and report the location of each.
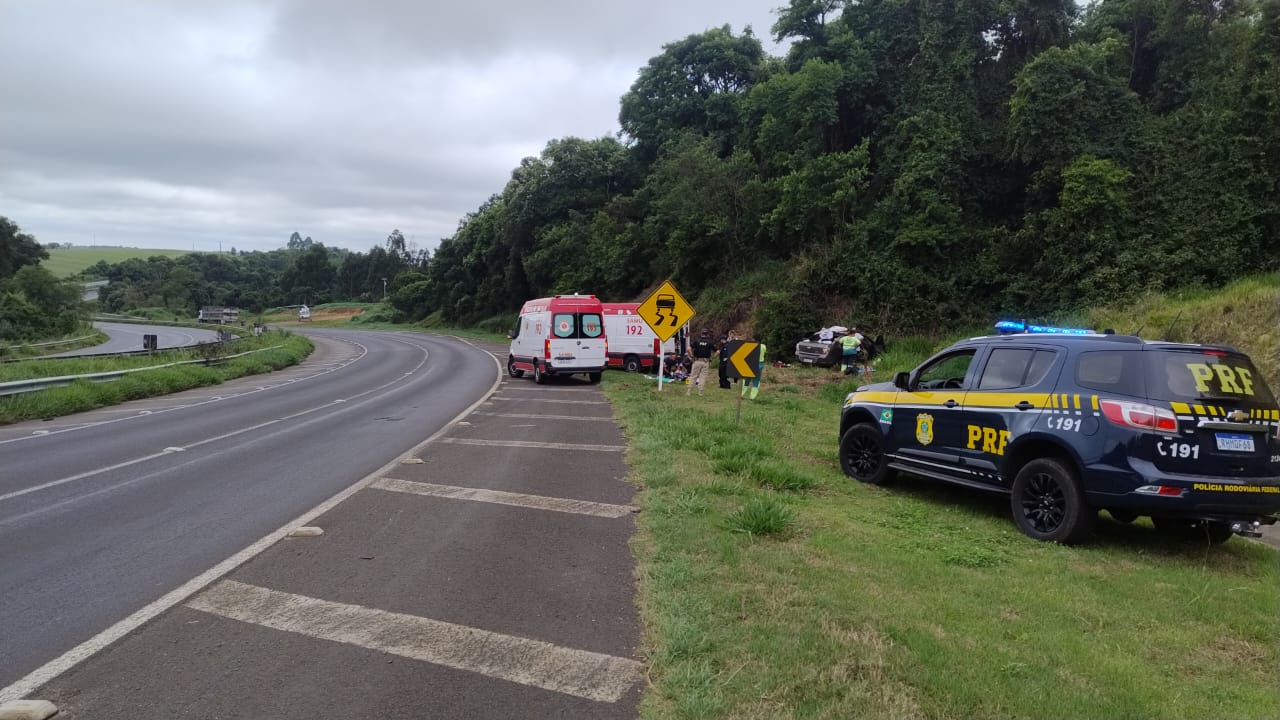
(67, 262)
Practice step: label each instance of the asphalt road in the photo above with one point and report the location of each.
(103, 512)
(126, 337)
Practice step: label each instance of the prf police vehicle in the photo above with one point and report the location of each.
(1069, 424)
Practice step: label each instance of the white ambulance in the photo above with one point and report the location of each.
(632, 344)
(561, 335)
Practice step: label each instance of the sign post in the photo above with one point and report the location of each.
(665, 311)
(744, 364)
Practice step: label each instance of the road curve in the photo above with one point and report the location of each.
(126, 337)
(105, 511)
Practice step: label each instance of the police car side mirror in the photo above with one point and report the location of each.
(901, 380)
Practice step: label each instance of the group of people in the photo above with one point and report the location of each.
(696, 364)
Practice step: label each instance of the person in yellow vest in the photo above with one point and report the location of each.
(754, 383)
(849, 345)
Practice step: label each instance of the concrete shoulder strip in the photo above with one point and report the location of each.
(537, 502)
(532, 444)
(531, 399)
(535, 416)
(580, 673)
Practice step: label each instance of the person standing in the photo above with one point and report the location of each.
(724, 360)
(849, 345)
(754, 383)
(702, 348)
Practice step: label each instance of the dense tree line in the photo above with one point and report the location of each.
(304, 272)
(909, 163)
(34, 305)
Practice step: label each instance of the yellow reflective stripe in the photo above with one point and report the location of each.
(1212, 410)
(1065, 403)
(1053, 401)
(1076, 399)
(1199, 409)
(1181, 408)
(1093, 400)
(875, 396)
(992, 399)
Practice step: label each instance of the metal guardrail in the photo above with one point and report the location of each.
(54, 342)
(17, 387)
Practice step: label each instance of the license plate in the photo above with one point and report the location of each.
(806, 360)
(1235, 443)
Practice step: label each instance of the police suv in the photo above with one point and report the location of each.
(1068, 424)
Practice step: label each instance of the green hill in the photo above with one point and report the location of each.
(65, 262)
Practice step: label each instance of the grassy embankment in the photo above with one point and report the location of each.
(772, 586)
(86, 395)
(65, 262)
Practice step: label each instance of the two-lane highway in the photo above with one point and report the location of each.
(104, 512)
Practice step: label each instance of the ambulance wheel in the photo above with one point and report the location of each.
(631, 364)
(593, 378)
(512, 370)
(538, 376)
(862, 455)
(1049, 505)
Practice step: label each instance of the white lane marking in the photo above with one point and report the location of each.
(581, 673)
(531, 444)
(357, 358)
(206, 441)
(547, 400)
(88, 648)
(534, 416)
(173, 449)
(40, 432)
(537, 502)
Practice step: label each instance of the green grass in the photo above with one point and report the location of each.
(86, 395)
(65, 262)
(771, 586)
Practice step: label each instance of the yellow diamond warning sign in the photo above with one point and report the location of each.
(665, 311)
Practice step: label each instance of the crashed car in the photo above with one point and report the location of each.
(814, 351)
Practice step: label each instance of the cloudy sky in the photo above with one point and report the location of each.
(183, 124)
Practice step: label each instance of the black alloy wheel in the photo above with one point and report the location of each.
(862, 455)
(1049, 505)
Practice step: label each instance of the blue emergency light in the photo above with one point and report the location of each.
(1009, 327)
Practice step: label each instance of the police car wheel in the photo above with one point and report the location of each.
(1048, 504)
(1214, 533)
(512, 370)
(539, 376)
(862, 455)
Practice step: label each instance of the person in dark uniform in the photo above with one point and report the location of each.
(702, 349)
(725, 383)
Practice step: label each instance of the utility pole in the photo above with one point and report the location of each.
(384, 289)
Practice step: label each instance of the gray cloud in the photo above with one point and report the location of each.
(164, 124)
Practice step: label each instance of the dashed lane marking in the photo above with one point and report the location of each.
(537, 502)
(532, 416)
(532, 444)
(584, 674)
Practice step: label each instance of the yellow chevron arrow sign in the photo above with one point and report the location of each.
(744, 359)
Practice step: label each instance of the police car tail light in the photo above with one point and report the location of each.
(1165, 490)
(1139, 415)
